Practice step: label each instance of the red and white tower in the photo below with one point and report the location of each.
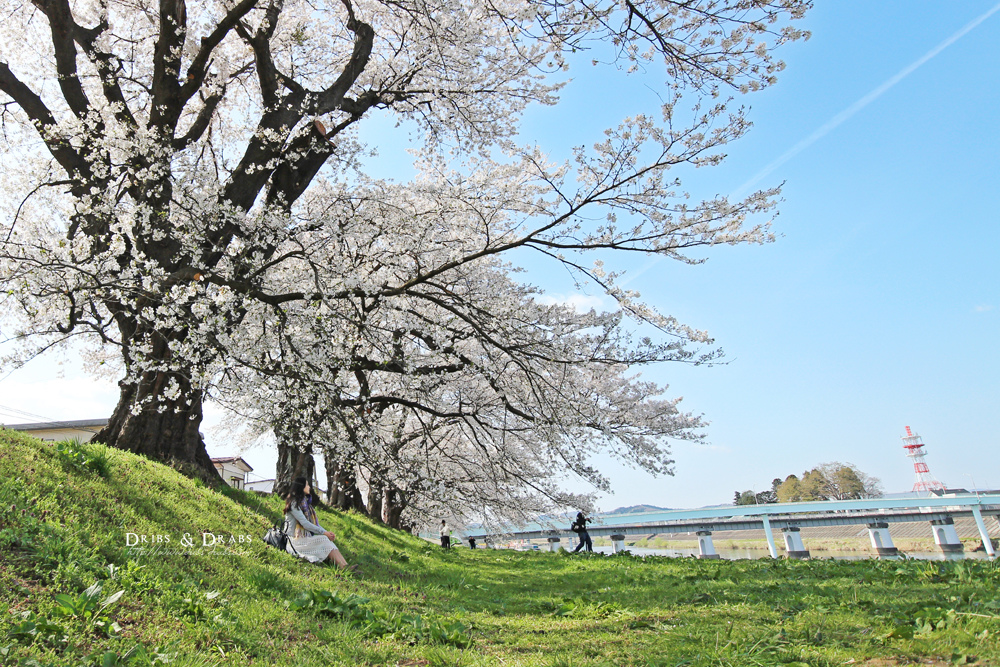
(914, 447)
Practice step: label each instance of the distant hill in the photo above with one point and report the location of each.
(636, 509)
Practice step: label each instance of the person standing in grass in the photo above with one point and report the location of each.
(579, 527)
(306, 538)
(445, 535)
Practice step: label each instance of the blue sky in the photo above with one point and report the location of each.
(879, 305)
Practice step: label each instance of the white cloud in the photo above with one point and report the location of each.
(983, 309)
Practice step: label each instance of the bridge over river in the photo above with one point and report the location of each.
(878, 514)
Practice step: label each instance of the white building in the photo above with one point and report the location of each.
(81, 429)
(233, 470)
(262, 485)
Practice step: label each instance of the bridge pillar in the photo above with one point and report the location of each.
(945, 536)
(793, 543)
(983, 533)
(553, 544)
(881, 541)
(769, 535)
(617, 543)
(706, 550)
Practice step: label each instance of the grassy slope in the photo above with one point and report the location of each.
(61, 528)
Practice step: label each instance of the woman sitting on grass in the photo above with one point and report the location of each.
(306, 538)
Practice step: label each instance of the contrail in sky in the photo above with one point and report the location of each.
(844, 115)
(840, 118)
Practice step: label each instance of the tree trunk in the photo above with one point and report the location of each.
(293, 461)
(393, 504)
(342, 484)
(375, 499)
(163, 430)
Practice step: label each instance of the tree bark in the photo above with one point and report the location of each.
(393, 504)
(376, 497)
(165, 431)
(342, 485)
(293, 461)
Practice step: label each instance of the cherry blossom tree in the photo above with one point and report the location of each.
(464, 393)
(174, 170)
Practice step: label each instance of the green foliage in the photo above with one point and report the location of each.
(828, 481)
(89, 607)
(929, 619)
(585, 606)
(137, 656)
(325, 602)
(84, 457)
(34, 628)
(748, 497)
(81, 613)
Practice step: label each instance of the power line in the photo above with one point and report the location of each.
(44, 421)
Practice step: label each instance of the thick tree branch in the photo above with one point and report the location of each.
(166, 104)
(62, 27)
(267, 73)
(107, 66)
(201, 122)
(199, 66)
(44, 122)
(333, 97)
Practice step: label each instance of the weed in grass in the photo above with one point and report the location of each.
(412, 628)
(137, 656)
(267, 582)
(563, 662)
(196, 607)
(34, 628)
(585, 607)
(89, 608)
(83, 457)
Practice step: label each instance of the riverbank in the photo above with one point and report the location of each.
(109, 559)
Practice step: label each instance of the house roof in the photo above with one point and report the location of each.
(233, 459)
(79, 424)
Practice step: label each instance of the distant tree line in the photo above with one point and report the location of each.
(827, 481)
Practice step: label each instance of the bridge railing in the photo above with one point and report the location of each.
(784, 516)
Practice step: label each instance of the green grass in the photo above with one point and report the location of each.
(65, 515)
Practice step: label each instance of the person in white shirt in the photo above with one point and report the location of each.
(445, 535)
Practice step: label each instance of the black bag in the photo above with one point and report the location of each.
(276, 537)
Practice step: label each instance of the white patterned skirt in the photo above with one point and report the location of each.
(314, 549)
